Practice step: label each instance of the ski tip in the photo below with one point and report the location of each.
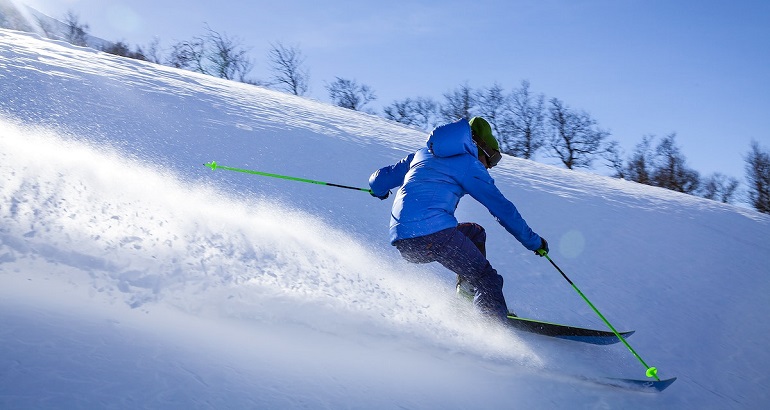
(645, 386)
(212, 165)
(660, 385)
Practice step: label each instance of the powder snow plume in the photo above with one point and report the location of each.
(131, 233)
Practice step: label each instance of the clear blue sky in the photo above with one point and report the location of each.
(700, 68)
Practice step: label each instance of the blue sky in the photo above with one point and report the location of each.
(697, 68)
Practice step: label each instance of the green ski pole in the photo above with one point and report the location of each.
(651, 371)
(214, 166)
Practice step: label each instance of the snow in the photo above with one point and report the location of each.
(131, 276)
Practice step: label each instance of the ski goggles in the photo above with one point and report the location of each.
(492, 155)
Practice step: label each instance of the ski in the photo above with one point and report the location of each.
(644, 386)
(578, 334)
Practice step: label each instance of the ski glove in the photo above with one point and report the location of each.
(382, 197)
(543, 249)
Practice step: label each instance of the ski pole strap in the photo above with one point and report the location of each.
(214, 166)
(651, 371)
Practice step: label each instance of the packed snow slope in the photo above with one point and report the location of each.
(131, 276)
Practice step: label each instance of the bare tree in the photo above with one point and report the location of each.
(641, 165)
(719, 187)
(613, 154)
(575, 139)
(671, 171)
(420, 112)
(459, 103)
(122, 49)
(227, 59)
(213, 54)
(189, 55)
(401, 112)
(758, 177)
(289, 73)
(76, 33)
(349, 94)
(491, 104)
(523, 130)
(153, 51)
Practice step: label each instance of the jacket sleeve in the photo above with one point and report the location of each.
(392, 176)
(480, 185)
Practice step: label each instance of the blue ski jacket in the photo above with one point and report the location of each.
(432, 181)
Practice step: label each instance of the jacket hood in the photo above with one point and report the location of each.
(452, 139)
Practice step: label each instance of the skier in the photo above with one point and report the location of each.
(423, 226)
